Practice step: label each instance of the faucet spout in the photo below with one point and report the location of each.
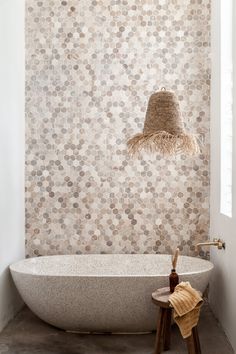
(216, 242)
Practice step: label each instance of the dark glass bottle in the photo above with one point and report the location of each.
(173, 280)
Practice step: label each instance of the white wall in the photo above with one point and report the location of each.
(223, 281)
(11, 151)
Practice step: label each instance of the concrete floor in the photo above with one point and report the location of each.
(26, 334)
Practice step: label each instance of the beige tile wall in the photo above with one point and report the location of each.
(90, 69)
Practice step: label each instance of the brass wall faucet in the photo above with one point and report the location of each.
(216, 242)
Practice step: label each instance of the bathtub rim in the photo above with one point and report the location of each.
(13, 268)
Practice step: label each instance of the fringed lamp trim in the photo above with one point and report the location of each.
(164, 143)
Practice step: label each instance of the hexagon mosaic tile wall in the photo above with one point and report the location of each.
(90, 69)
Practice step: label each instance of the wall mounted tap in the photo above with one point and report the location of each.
(216, 242)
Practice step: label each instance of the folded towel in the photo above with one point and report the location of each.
(186, 302)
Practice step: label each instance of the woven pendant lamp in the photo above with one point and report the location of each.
(163, 130)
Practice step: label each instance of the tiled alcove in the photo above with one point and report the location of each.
(90, 69)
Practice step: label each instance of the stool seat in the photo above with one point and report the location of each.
(163, 337)
(161, 297)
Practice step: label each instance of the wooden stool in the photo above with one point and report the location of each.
(163, 336)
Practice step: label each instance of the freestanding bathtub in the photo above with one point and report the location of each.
(101, 293)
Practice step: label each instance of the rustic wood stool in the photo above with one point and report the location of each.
(163, 337)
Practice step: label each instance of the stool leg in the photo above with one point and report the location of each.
(160, 331)
(167, 331)
(196, 340)
(190, 344)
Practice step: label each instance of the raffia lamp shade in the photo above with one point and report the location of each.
(163, 130)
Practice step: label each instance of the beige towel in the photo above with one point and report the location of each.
(186, 302)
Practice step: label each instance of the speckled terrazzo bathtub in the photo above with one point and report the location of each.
(101, 293)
